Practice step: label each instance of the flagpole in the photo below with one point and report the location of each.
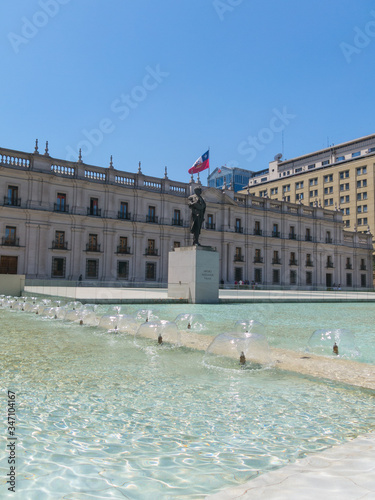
(209, 167)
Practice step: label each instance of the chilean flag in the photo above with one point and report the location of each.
(202, 163)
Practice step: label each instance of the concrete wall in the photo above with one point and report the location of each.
(12, 284)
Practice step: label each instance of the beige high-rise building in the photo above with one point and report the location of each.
(341, 176)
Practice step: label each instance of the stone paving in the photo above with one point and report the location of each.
(132, 295)
(344, 472)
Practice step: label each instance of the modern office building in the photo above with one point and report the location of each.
(61, 219)
(230, 178)
(340, 176)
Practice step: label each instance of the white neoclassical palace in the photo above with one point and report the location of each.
(63, 220)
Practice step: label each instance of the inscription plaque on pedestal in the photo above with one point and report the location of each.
(193, 274)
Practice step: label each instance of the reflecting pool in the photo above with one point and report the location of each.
(102, 415)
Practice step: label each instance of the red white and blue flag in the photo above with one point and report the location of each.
(202, 163)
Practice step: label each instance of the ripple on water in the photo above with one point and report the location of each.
(99, 417)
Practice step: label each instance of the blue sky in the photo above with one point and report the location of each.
(160, 82)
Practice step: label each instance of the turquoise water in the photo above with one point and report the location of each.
(288, 326)
(101, 417)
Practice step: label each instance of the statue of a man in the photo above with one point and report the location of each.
(198, 207)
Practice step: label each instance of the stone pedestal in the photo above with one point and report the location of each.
(193, 274)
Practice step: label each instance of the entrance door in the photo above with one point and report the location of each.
(8, 265)
(328, 280)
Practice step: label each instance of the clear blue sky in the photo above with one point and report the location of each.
(164, 80)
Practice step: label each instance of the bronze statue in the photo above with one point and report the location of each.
(198, 207)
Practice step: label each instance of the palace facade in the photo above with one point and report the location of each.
(60, 220)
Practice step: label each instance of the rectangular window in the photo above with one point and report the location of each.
(340, 158)
(293, 277)
(363, 280)
(238, 255)
(59, 240)
(275, 231)
(348, 279)
(93, 243)
(293, 260)
(8, 264)
(92, 268)
(257, 230)
(10, 236)
(257, 255)
(308, 278)
(12, 198)
(347, 211)
(210, 222)
(311, 166)
(151, 250)
(361, 170)
(238, 227)
(94, 206)
(123, 246)
(151, 216)
(150, 272)
(58, 267)
(357, 153)
(299, 196)
(177, 221)
(123, 269)
(61, 202)
(328, 178)
(364, 195)
(275, 276)
(325, 162)
(344, 175)
(176, 244)
(124, 210)
(238, 274)
(258, 275)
